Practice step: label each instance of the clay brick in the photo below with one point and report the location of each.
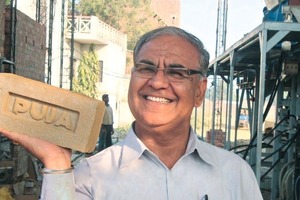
(57, 115)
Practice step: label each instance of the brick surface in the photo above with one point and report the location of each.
(30, 42)
(219, 137)
(57, 115)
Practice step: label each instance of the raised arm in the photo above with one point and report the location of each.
(52, 156)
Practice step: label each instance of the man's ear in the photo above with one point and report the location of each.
(200, 93)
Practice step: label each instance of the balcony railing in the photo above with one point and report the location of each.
(93, 25)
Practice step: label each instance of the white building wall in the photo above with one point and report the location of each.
(27, 7)
(114, 64)
(56, 42)
(113, 79)
(114, 83)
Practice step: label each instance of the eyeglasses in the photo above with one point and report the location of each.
(174, 74)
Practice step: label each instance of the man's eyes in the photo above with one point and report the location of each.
(176, 72)
(146, 69)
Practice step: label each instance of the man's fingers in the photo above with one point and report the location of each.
(15, 137)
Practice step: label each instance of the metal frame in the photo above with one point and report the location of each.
(253, 52)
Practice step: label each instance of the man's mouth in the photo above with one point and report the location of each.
(158, 99)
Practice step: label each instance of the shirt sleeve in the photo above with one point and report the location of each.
(250, 185)
(69, 186)
(58, 186)
(63, 187)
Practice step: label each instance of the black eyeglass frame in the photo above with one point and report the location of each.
(189, 72)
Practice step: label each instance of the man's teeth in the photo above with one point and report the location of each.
(158, 99)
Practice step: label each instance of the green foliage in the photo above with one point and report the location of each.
(134, 33)
(108, 11)
(121, 132)
(129, 16)
(88, 74)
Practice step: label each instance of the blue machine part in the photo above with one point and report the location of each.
(275, 14)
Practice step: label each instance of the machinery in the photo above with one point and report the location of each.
(264, 65)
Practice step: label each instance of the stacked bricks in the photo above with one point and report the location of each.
(294, 2)
(30, 46)
(219, 137)
(47, 112)
(2, 22)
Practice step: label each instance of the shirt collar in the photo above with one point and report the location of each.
(133, 148)
(203, 149)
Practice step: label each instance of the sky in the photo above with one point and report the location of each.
(199, 17)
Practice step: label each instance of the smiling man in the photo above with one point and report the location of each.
(161, 157)
(162, 94)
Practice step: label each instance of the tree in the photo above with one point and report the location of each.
(87, 74)
(108, 11)
(128, 16)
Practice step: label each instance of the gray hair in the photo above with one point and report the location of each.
(175, 31)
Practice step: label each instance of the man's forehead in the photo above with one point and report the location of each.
(172, 47)
(169, 37)
(168, 43)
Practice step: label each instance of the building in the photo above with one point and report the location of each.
(61, 52)
(110, 45)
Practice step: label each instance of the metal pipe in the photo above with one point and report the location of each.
(72, 46)
(232, 63)
(214, 105)
(203, 114)
(263, 48)
(50, 32)
(62, 43)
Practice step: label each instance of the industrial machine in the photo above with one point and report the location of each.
(264, 65)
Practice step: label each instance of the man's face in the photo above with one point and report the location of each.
(105, 99)
(157, 101)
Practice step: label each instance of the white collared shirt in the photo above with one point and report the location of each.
(130, 171)
(108, 116)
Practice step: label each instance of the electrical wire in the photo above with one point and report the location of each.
(271, 99)
(252, 140)
(251, 145)
(278, 160)
(288, 144)
(280, 134)
(264, 145)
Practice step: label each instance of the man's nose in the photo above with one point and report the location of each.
(159, 80)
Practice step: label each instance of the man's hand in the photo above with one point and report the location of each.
(51, 155)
